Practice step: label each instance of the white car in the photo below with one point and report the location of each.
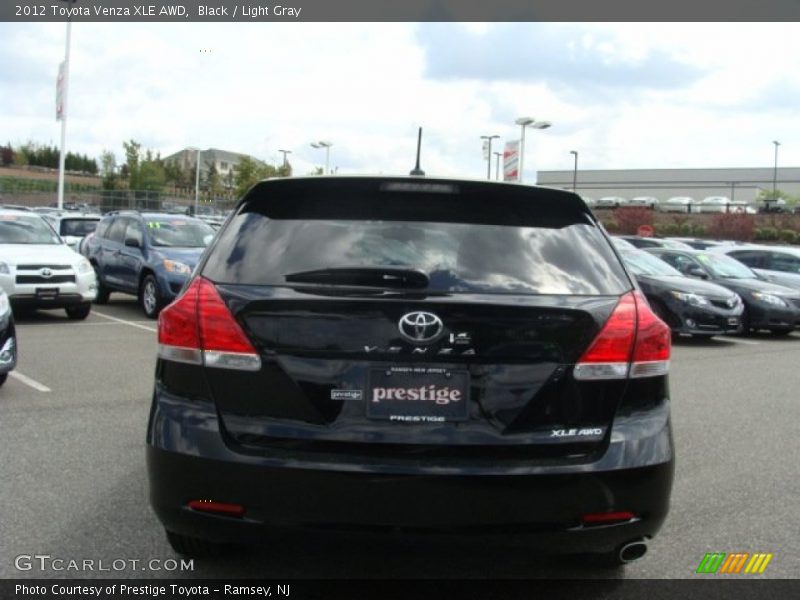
(646, 201)
(679, 204)
(610, 202)
(72, 227)
(39, 271)
(714, 204)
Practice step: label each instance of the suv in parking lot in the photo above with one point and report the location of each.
(38, 270)
(147, 254)
(408, 354)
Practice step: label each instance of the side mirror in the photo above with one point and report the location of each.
(71, 240)
(132, 243)
(697, 272)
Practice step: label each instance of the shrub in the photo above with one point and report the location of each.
(630, 218)
(788, 236)
(686, 229)
(733, 227)
(700, 230)
(769, 234)
(668, 229)
(611, 226)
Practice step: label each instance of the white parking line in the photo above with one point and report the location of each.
(29, 382)
(740, 341)
(124, 322)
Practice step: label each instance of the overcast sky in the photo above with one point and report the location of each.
(624, 96)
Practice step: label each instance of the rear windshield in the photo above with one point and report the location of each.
(571, 258)
(78, 227)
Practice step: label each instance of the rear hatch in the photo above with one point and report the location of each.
(412, 319)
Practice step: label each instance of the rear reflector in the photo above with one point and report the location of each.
(634, 342)
(197, 328)
(220, 508)
(607, 518)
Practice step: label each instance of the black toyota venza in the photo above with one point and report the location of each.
(434, 357)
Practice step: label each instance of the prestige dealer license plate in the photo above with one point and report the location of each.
(418, 394)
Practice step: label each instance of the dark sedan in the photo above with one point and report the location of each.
(8, 339)
(767, 306)
(692, 306)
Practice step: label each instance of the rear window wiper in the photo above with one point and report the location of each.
(394, 277)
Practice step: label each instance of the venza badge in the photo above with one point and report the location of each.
(420, 326)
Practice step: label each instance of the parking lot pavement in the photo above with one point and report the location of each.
(74, 484)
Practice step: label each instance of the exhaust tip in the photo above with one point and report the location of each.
(632, 551)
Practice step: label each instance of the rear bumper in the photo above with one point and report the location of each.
(541, 505)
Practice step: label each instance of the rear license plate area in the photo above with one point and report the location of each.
(418, 394)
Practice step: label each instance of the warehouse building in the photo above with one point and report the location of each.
(736, 184)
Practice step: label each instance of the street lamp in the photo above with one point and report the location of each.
(61, 110)
(574, 169)
(497, 156)
(327, 146)
(285, 152)
(196, 178)
(527, 122)
(775, 173)
(489, 139)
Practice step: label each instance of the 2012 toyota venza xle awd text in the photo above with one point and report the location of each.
(408, 354)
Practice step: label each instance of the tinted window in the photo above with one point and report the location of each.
(78, 227)
(102, 228)
(725, 266)
(780, 261)
(642, 263)
(678, 261)
(457, 257)
(752, 258)
(116, 231)
(134, 231)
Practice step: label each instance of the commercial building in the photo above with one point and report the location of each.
(737, 184)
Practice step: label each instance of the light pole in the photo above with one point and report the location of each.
(574, 169)
(61, 110)
(327, 146)
(489, 139)
(285, 152)
(527, 122)
(497, 156)
(775, 173)
(196, 178)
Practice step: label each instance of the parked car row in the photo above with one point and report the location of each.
(679, 204)
(701, 301)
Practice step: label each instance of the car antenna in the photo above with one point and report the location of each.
(416, 171)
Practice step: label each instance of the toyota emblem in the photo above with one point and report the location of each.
(420, 326)
(45, 273)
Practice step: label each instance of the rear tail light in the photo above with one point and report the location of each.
(607, 518)
(218, 508)
(199, 329)
(634, 342)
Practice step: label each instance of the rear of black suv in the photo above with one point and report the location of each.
(398, 354)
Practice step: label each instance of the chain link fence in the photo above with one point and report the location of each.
(103, 201)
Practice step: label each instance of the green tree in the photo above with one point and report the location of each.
(132, 149)
(108, 170)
